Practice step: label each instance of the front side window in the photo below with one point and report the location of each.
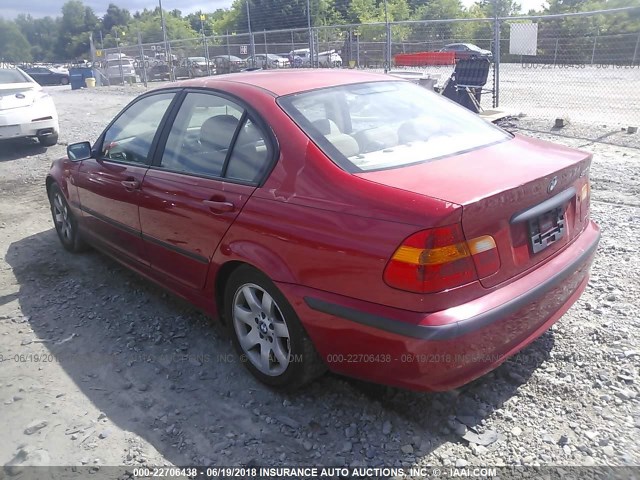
(130, 137)
(379, 125)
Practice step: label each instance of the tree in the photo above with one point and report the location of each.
(487, 8)
(77, 23)
(115, 16)
(149, 26)
(41, 33)
(15, 47)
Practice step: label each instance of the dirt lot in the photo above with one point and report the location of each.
(99, 367)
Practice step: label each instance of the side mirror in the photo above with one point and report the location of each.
(79, 151)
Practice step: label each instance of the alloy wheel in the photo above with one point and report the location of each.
(62, 217)
(261, 329)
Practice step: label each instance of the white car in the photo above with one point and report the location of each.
(26, 110)
(121, 69)
(328, 59)
(269, 60)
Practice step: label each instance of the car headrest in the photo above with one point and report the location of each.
(217, 132)
(345, 144)
(326, 126)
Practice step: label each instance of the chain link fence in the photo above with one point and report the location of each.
(541, 66)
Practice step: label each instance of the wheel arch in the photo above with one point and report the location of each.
(262, 259)
(48, 182)
(222, 276)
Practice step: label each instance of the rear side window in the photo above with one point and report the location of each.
(213, 136)
(12, 75)
(380, 125)
(201, 135)
(250, 157)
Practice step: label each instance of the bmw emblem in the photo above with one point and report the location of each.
(552, 184)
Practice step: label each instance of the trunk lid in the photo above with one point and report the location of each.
(505, 191)
(17, 95)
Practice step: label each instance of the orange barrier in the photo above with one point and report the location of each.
(425, 58)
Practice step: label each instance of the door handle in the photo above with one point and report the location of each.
(219, 207)
(130, 184)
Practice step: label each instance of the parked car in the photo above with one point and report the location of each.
(120, 69)
(159, 71)
(340, 219)
(328, 59)
(191, 67)
(266, 61)
(228, 64)
(25, 109)
(466, 51)
(297, 61)
(47, 76)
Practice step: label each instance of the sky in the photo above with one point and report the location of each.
(42, 8)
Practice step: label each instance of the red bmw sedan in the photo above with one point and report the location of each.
(337, 220)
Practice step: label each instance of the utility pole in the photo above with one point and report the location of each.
(204, 43)
(496, 55)
(595, 41)
(167, 50)
(251, 43)
(387, 53)
(119, 57)
(142, 60)
(311, 57)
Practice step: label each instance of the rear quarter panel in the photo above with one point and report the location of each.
(315, 225)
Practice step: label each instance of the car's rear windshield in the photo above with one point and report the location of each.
(380, 125)
(12, 75)
(116, 63)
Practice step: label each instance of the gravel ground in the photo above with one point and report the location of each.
(100, 367)
(596, 101)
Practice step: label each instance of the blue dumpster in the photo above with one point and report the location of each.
(77, 76)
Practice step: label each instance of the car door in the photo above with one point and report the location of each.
(50, 77)
(109, 184)
(37, 74)
(214, 156)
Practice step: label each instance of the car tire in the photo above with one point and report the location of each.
(48, 140)
(261, 319)
(64, 81)
(65, 222)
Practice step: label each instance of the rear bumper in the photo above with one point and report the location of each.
(449, 348)
(17, 123)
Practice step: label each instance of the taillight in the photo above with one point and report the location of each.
(439, 259)
(585, 193)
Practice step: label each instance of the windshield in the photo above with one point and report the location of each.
(379, 125)
(12, 75)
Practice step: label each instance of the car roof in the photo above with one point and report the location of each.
(286, 82)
